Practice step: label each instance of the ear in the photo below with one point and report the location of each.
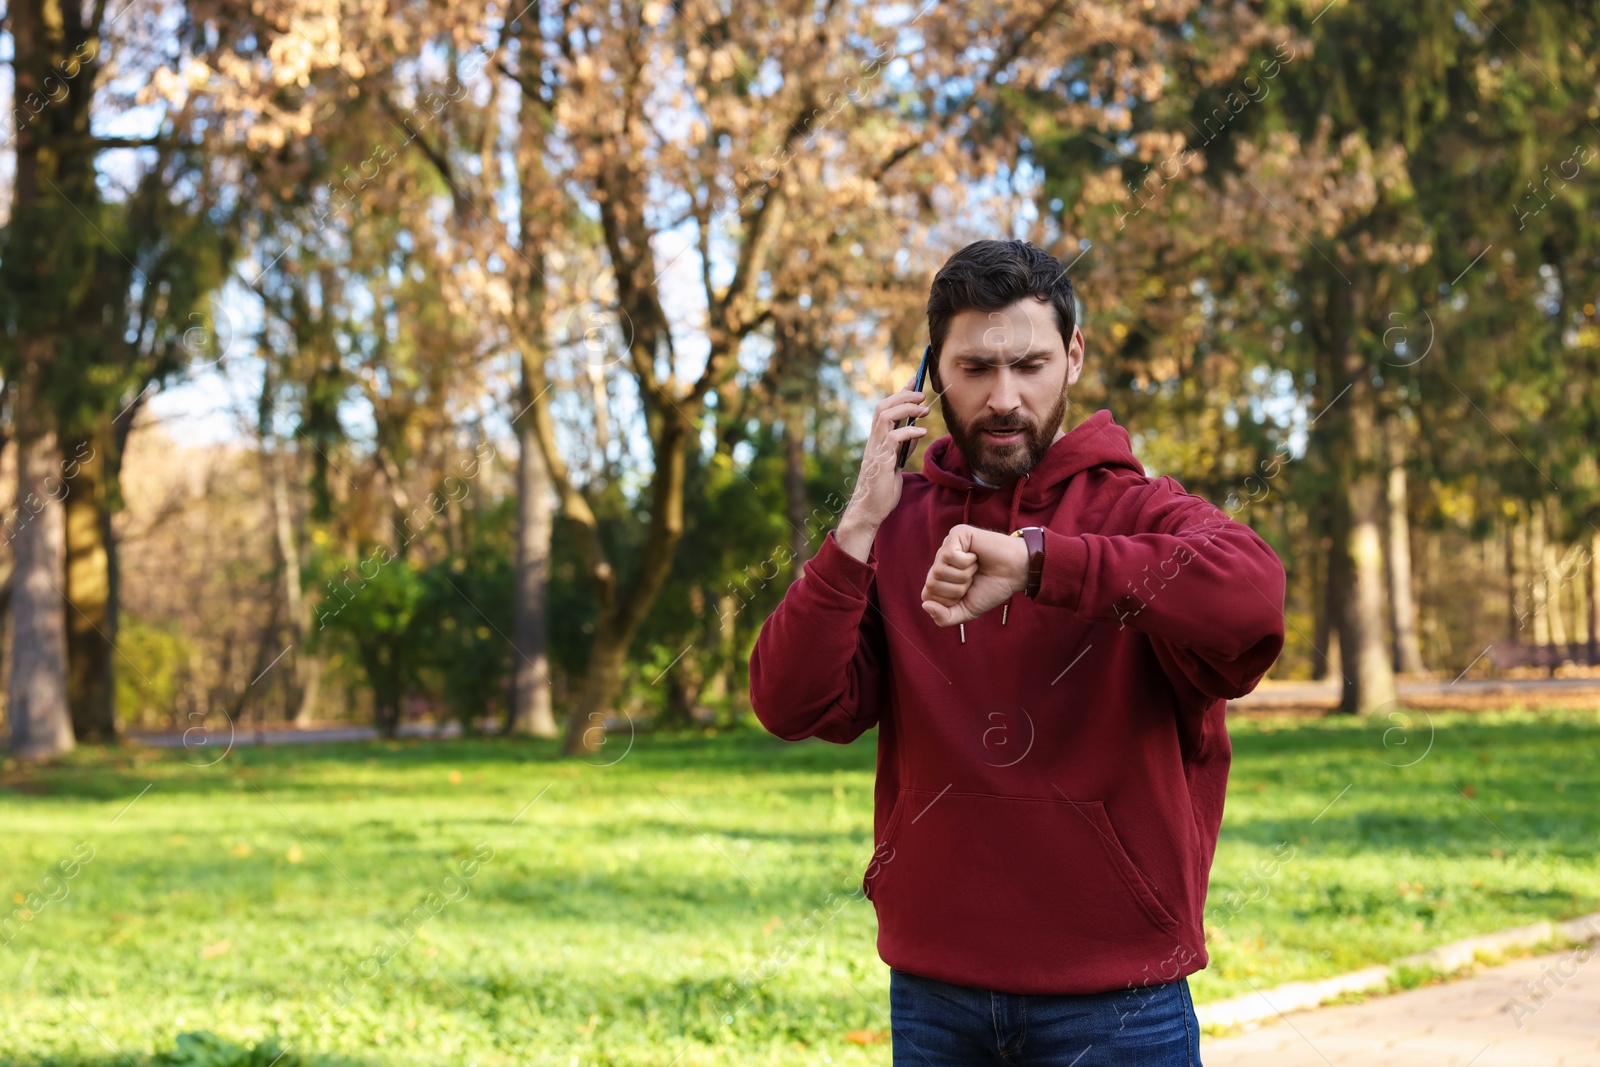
(1075, 356)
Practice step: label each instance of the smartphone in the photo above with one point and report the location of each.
(922, 376)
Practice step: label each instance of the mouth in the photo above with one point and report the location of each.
(1002, 438)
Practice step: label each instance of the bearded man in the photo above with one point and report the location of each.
(1046, 639)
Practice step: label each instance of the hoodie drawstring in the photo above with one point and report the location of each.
(966, 512)
(1011, 524)
(1016, 503)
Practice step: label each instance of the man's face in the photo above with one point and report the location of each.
(1005, 376)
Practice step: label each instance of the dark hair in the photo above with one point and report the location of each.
(990, 275)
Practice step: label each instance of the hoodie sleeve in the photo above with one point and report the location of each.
(1206, 589)
(818, 668)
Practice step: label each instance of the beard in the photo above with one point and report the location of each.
(999, 464)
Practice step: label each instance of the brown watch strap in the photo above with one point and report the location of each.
(1033, 537)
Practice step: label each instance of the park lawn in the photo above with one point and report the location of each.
(617, 915)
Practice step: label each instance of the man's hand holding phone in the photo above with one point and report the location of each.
(878, 482)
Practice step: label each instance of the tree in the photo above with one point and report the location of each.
(49, 256)
(772, 108)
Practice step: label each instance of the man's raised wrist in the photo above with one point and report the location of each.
(855, 535)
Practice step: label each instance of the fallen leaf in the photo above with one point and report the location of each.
(865, 1037)
(212, 951)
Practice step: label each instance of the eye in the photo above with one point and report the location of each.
(1032, 365)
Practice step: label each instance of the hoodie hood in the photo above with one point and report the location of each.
(1096, 442)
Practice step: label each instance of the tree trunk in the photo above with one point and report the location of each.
(387, 692)
(1435, 633)
(1368, 675)
(40, 274)
(1515, 615)
(602, 415)
(602, 685)
(1594, 597)
(683, 684)
(621, 615)
(1332, 566)
(305, 673)
(1551, 579)
(1580, 600)
(531, 706)
(1369, 679)
(1407, 646)
(91, 623)
(1533, 549)
(794, 484)
(41, 723)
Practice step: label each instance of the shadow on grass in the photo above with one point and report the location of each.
(109, 773)
(201, 1048)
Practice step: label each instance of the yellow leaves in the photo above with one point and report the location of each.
(264, 136)
(240, 850)
(294, 855)
(1159, 145)
(197, 74)
(212, 951)
(163, 85)
(722, 66)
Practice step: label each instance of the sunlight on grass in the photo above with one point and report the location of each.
(377, 902)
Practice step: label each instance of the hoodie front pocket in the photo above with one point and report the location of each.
(1022, 884)
(883, 851)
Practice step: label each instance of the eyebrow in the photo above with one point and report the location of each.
(992, 361)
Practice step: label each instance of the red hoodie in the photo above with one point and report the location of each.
(1050, 782)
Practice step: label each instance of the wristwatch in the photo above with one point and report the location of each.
(1033, 537)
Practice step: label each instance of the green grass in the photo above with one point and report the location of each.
(620, 912)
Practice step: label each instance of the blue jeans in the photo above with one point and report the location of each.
(936, 1024)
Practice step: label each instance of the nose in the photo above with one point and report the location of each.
(1005, 398)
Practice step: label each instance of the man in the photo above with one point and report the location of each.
(1052, 755)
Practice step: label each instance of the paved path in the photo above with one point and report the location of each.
(1474, 1021)
(1270, 694)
